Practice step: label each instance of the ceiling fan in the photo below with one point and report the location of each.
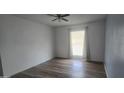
(59, 17)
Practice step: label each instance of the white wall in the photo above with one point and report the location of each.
(62, 43)
(96, 40)
(23, 44)
(114, 51)
(96, 34)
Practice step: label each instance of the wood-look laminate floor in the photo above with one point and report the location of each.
(64, 68)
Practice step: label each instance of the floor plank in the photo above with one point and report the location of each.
(64, 68)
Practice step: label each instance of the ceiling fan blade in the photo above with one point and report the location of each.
(53, 15)
(65, 19)
(54, 19)
(65, 15)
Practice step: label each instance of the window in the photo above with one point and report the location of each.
(77, 43)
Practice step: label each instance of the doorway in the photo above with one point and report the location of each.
(77, 42)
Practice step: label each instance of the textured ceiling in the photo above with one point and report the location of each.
(73, 19)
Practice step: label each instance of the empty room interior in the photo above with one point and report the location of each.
(61, 45)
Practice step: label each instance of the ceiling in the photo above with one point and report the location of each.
(73, 19)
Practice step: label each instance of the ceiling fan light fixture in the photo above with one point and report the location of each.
(59, 17)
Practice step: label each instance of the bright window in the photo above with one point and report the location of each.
(77, 43)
